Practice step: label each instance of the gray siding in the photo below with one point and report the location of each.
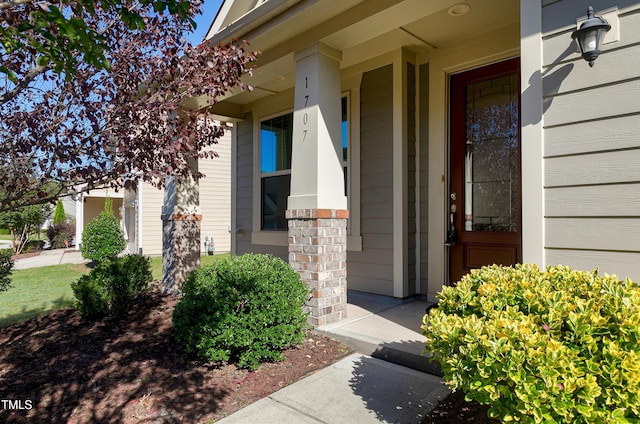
(424, 177)
(244, 193)
(592, 145)
(372, 269)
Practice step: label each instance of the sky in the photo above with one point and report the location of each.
(209, 10)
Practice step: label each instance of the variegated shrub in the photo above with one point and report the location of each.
(541, 346)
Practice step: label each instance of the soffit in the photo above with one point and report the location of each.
(362, 30)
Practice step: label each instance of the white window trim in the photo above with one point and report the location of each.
(258, 235)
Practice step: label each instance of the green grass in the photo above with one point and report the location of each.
(156, 263)
(37, 291)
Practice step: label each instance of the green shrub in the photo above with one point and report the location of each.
(6, 266)
(102, 239)
(244, 309)
(112, 286)
(60, 234)
(554, 346)
(59, 216)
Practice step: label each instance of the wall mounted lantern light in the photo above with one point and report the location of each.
(590, 36)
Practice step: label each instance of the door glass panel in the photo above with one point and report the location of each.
(492, 171)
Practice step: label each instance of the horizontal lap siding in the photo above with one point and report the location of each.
(152, 200)
(372, 269)
(592, 146)
(215, 195)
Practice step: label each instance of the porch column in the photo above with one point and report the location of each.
(181, 220)
(317, 206)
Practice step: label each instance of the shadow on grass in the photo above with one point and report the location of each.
(108, 371)
(29, 311)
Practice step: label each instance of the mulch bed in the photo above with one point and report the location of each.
(454, 410)
(68, 369)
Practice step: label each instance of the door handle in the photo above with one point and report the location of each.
(452, 235)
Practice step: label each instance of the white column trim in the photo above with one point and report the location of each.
(400, 217)
(234, 189)
(532, 133)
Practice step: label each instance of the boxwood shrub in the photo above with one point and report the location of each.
(102, 238)
(243, 309)
(543, 346)
(112, 286)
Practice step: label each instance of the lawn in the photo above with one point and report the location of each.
(37, 291)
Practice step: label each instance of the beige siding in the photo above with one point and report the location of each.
(151, 226)
(592, 145)
(372, 269)
(215, 204)
(215, 195)
(424, 177)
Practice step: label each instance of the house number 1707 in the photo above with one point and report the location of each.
(305, 117)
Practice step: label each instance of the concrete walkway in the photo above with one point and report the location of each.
(385, 382)
(51, 257)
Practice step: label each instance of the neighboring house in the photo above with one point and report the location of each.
(143, 207)
(140, 210)
(478, 118)
(90, 204)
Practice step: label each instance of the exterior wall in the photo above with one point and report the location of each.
(592, 144)
(94, 205)
(215, 195)
(371, 270)
(423, 149)
(151, 221)
(215, 204)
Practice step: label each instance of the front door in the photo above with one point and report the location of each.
(485, 192)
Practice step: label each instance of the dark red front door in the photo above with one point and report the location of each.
(485, 190)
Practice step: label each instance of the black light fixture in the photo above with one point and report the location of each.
(590, 36)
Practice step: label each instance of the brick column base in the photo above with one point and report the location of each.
(318, 252)
(180, 249)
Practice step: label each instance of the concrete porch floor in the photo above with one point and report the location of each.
(385, 328)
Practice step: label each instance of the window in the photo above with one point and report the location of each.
(275, 169)
(275, 166)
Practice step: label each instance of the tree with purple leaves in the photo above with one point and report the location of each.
(103, 93)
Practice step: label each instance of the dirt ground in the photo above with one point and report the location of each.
(62, 368)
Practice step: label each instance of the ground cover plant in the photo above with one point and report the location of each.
(554, 345)
(242, 309)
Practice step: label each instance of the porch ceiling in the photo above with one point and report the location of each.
(360, 29)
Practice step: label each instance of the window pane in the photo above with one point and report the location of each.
(492, 155)
(275, 143)
(275, 191)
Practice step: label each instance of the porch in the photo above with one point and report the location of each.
(385, 328)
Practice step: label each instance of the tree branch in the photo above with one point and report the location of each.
(8, 4)
(24, 83)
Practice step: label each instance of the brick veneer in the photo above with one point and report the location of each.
(318, 252)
